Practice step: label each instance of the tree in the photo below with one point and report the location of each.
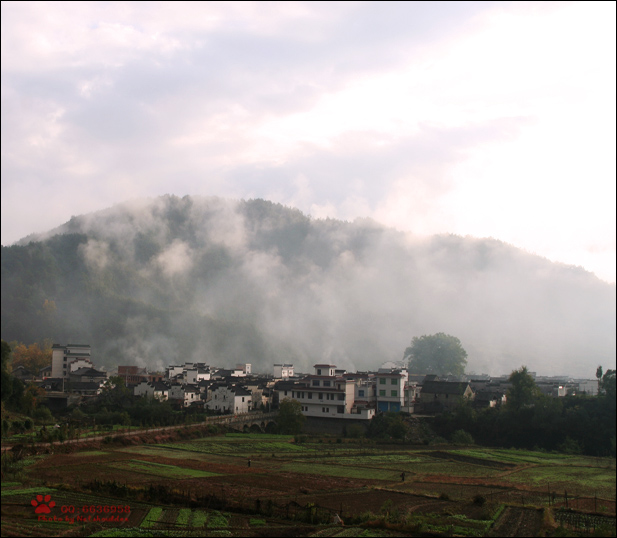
(607, 384)
(523, 391)
(7, 381)
(32, 357)
(439, 354)
(290, 419)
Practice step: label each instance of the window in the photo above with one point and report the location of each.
(382, 381)
(326, 383)
(321, 395)
(318, 371)
(310, 395)
(242, 399)
(340, 408)
(361, 393)
(341, 396)
(382, 393)
(393, 393)
(392, 381)
(315, 382)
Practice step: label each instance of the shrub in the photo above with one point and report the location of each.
(461, 437)
(479, 500)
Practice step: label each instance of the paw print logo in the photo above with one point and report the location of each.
(42, 507)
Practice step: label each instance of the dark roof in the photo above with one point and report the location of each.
(89, 372)
(84, 385)
(159, 385)
(286, 385)
(490, 394)
(444, 387)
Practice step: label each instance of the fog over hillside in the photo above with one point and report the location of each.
(160, 281)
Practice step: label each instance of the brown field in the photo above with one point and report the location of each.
(288, 487)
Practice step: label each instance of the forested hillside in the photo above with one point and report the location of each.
(158, 281)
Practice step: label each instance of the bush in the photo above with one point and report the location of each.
(479, 500)
(42, 414)
(461, 437)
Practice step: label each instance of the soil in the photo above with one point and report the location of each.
(516, 521)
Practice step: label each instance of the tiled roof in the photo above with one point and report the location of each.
(444, 387)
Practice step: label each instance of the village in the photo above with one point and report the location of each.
(326, 393)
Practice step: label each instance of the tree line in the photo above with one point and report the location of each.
(577, 424)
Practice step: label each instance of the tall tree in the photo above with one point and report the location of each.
(439, 354)
(290, 419)
(523, 391)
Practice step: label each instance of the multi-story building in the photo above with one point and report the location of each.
(324, 394)
(229, 399)
(283, 371)
(65, 359)
(390, 390)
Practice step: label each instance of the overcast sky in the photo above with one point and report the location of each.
(484, 119)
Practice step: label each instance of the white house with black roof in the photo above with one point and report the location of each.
(324, 394)
(229, 398)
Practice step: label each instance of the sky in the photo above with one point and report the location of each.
(472, 118)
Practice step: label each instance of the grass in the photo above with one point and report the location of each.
(340, 470)
(161, 469)
(184, 516)
(151, 517)
(580, 480)
(233, 446)
(260, 436)
(27, 491)
(216, 520)
(199, 518)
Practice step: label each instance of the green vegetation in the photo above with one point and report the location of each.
(216, 520)
(439, 354)
(338, 470)
(199, 518)
(531, 420)
(184, 516)
(121, 533)
(161, 469)
(438, 479)
(290, 418)
(26, 491)
(152, 517)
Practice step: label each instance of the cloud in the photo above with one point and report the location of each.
(422, 115)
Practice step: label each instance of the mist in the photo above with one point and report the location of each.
(232, 281)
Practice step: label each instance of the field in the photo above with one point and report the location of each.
(268, 485)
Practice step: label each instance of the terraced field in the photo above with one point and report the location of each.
(206, 487)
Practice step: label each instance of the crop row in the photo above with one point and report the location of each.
(161, 469)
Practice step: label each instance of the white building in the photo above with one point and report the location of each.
(283, 371)
(156, 389)
(390, 390)
(229, 399)
(324, 394)
(62, 357)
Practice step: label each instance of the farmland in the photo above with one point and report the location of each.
(271, 485)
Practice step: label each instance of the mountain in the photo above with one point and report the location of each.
(166, 280)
